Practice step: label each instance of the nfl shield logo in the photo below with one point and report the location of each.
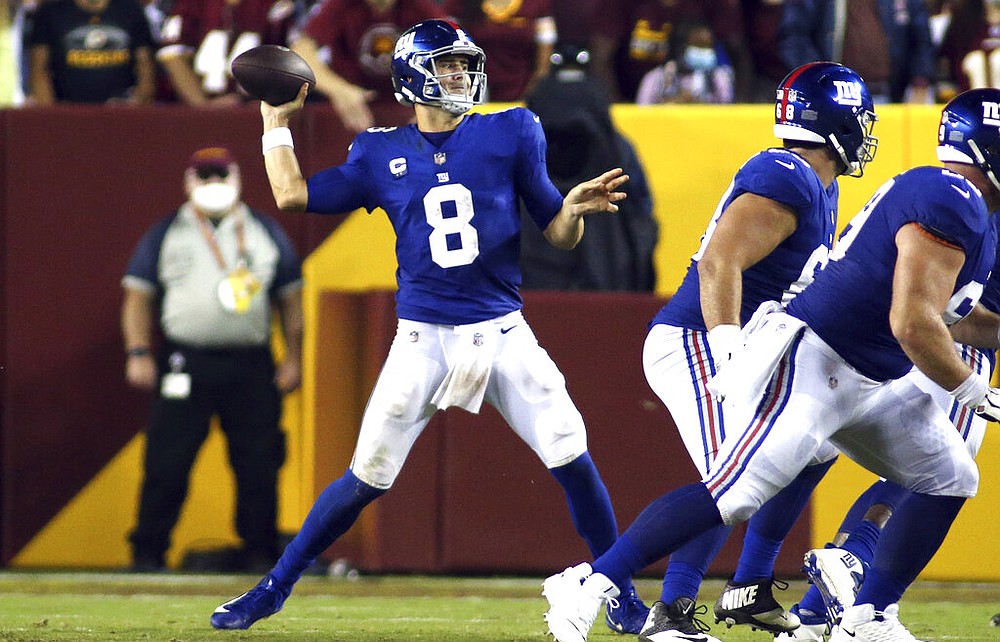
(439, 158)
(477, 339)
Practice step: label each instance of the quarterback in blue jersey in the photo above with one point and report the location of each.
(451, 186)
(772, 231)
(900, 288)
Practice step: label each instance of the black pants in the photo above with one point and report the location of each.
(237, 386)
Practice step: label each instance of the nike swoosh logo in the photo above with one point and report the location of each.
(790, 165)
(506, 330)
(965, 193)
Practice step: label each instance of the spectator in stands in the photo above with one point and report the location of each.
(631, 38)
(888, 42)
(697, 70)
(200, 38)
(517, 35)
(91, 51)
(762, 20)
(576, 20)
(970, 47)
(207, 278)
(349, 44)
(616, 253)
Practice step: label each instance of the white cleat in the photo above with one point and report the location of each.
(838, 575)
(862, 623)
(576, 597)
(805, 633)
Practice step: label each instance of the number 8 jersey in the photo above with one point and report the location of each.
(454, 205)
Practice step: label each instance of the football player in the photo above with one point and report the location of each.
(788, 197)
(450, 185)
(902, 284)
(837, 571)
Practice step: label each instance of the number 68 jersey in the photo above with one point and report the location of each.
(454, 206)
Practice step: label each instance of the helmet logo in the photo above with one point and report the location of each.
(404, 44)
(991, 113)
(848, 93)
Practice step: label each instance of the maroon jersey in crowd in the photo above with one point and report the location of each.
(216, 31)
(510, 44)
(361, 39)
(642, 29)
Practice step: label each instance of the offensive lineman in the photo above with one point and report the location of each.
(913, 262)
(787, 197)
(450, 185)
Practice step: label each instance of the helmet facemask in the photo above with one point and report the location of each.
(455, 91)
(865, 153)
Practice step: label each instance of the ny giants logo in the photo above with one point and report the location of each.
(404, 45)
(848, 93)
(991, 114)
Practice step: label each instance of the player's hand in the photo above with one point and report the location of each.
(990, 406)
(280, 115)
(723, 340)
(351, 104)
(598, 194)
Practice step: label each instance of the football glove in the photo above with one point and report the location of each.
(723, 340)
(990, 406)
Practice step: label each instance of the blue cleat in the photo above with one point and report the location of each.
(628, 615)
(263, 600)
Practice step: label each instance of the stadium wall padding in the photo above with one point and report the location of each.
(79, 185)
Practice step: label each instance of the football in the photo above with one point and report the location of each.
(272, 73)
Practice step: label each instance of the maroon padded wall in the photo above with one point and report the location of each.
(78, 187)
(472, 497)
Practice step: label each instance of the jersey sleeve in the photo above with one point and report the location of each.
(39, 34)
(780, 177)
(343, 188)
(289, 268)
(541, 198)
(142, 271)
(950, 210)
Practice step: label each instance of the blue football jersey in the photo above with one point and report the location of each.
(848, 304)
(783, 176)
(454, 208)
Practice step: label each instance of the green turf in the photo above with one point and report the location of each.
(39, 607)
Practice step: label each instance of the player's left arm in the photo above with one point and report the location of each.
(927, 268)
(599, 194)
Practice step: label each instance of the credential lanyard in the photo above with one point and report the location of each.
(208, 232)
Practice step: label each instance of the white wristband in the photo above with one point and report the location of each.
(277, 137)
(723, 341)
(971, 392)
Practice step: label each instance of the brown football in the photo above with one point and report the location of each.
(271, 73)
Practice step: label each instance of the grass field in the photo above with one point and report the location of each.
(109, 607)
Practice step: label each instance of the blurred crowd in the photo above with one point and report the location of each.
(644, 51)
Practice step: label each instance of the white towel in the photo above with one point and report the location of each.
(464, 386)
(767, 337)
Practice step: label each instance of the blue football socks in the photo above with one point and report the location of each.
(908, 542)
(661, 528)
(334, 511)
(770, 525)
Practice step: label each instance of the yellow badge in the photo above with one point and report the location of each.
(238, 289)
